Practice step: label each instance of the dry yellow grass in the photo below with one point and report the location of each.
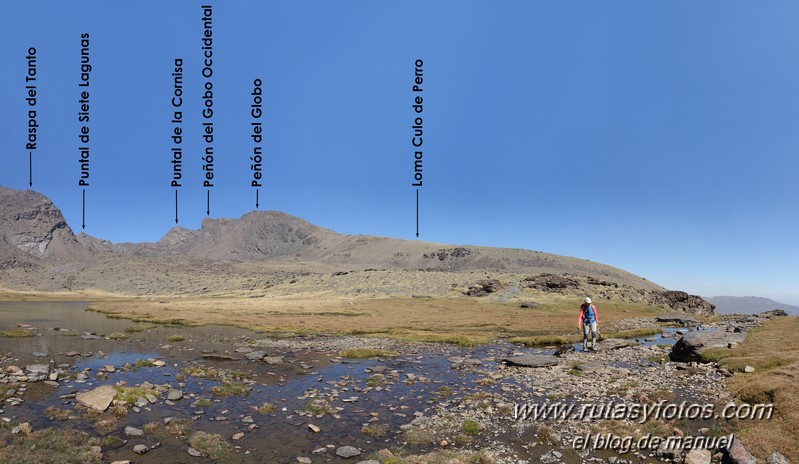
(456, 320)
(773, 350)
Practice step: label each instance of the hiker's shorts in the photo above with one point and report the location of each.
(586, 328)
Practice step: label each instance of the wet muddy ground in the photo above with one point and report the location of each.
(292, 401)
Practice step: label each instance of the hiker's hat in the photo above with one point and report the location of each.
(588, 300)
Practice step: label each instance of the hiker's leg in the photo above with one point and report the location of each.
(593, 335)
(586, 328)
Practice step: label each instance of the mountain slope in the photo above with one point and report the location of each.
(748, 305)
(32, 229)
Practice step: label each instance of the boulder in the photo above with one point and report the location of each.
(738, 454)
(532, 360)
(690, 347)
(97, 399)
(697, 456)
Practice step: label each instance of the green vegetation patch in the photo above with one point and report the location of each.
(175, 338)
(210, 445)
(16, 333)
(470, 427)
(365, 353)
(231, 389)
(66, 446)
(131, 394)
(118, 336)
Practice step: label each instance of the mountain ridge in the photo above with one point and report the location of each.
(748, 305)
(271, 252)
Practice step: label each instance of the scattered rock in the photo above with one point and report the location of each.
(749, 369)
(303, 460)
(314, 428)
(174, 395)
(237, 436)
(195, 453)
(529, 304)
(140, 449)
(273, 360)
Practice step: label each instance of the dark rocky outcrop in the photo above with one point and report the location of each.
(774, 313)
(681, 301)
(552, 283)
(484, 287)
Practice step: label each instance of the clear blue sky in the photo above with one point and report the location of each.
(659, 137)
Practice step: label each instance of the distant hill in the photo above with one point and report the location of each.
(748, 305)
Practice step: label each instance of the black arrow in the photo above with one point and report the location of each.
(83, 224)
(176, 206)
(256, 198)
(417, 212)
(30, 168)
(208, 204)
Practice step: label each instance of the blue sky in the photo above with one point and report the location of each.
(659, 137)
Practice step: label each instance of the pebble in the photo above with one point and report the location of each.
(195, 453)
(140, 449)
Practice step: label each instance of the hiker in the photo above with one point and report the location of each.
(588, 319)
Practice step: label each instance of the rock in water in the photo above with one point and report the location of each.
(38, 369)
(348, 452)
(255, 355)
(140, 449)
(133, 432)
(174, 395)
(532, 360)
(613, 344)
(97, 399)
